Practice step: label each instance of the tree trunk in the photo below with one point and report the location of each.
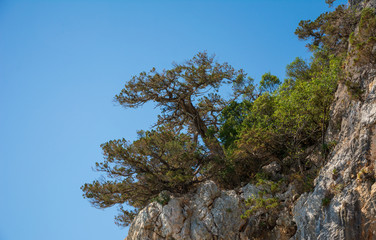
(211, 143)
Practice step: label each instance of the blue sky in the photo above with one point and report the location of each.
(62, 62)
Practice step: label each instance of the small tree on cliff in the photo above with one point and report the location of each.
(171, 157)
(186, 95)
(159, 160)
(331, 30)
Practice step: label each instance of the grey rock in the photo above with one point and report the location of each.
(272, 168)
(374, 49)
(248, 191)
(209, 213)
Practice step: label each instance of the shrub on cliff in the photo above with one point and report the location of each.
(159, 160)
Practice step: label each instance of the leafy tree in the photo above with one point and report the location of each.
(234, 113)
(269, 83)
(186, 95)
(256, 105)
(232, 118)
(364, 39)
(330, 30)
(171, 157)
(295, 116)
(161, 159)
(298, 69)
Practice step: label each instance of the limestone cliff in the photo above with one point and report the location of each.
(347, 180)
(342, 204)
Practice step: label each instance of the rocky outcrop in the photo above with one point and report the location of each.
(208, 213)
(363, 3)
(343, 203)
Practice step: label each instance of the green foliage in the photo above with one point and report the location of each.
(260, 204)
(125, 216)
(159, 160)
(293, 117)
(271, 187)
(361, 174)
(232, 116)
(281, 121)
(337, 189)
(326, 201)
(171, 157)
(331, 192)
(354, 89)
(275, 187)
(245, 87)
(366, 173)
(364, 40)
(187, 96)
(269, 83)
(327, 147)
(265, 201)
(260, 177)
(163, 198)
(298, 70)
(251, 91)
(330, 30)
(305, 182)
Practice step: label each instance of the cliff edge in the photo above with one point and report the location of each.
(341, 205)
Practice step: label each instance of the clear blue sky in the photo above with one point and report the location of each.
(61, 63)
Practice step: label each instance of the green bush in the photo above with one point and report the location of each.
(364, 40)
(261, 202)
(355, 90)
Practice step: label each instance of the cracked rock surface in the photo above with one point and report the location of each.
(206, 214)
(209, 213)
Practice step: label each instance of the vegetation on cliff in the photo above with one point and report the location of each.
(201, 135)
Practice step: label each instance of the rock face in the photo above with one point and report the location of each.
(363, 3)
(342, 204)
(346, 183)
(209, 213)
